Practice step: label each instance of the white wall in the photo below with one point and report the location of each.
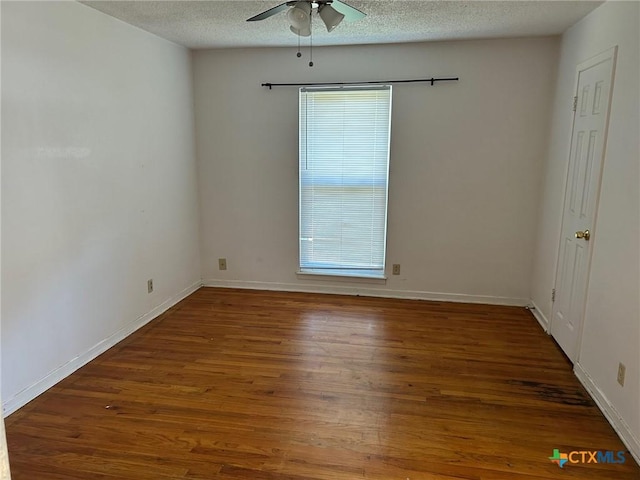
(612, 319)
(5, 473)
(466, 160)
(98, 187)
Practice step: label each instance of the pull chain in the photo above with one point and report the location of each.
(311, 42)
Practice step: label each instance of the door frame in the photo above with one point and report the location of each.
(611, 53)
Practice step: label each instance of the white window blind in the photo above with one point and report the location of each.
(344, 173)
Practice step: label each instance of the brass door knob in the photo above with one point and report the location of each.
(586, 234)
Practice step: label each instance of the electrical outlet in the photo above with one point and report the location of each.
(621, 372)
(222, 263)
(396, 269)
(150, 285)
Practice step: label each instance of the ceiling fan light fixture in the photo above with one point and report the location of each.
(302, 32)
(300, 16)
(330, 16)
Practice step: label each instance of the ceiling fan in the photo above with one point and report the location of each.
(332, 12)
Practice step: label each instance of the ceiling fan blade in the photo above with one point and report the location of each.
(351, 14)
(269, 13)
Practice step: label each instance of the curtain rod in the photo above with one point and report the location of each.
(421, 80)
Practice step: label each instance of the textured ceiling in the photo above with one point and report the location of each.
(217, 24)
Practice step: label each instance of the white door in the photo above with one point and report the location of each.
(588, 142)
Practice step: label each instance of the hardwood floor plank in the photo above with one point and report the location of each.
(237, 384)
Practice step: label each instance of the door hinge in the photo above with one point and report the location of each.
(553, 295)
(575, 103)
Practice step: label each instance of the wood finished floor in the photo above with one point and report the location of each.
(233, 384)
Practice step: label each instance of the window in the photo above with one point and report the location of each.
(344, 173)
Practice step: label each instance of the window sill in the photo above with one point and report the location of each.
(345, 276)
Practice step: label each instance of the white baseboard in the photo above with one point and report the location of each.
(23, 397)
(539, 316)
(341, 287)
(617, 422)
